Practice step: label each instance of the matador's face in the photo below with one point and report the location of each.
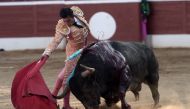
(69, 20)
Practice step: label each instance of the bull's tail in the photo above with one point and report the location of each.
(153, 67)
(153, 77)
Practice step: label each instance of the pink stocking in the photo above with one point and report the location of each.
(59, 82)
(66, 100)
(57, 86)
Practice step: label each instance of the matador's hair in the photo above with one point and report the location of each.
(66, 12)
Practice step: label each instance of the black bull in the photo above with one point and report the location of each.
(102, 71)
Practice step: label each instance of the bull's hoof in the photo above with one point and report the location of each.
(126, 107)
(157, 106)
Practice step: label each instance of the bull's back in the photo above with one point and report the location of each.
(140, 58)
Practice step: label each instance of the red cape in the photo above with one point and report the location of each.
(29, 90)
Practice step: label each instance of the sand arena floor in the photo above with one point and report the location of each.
(174, 84)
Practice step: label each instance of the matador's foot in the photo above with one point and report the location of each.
(68, 107)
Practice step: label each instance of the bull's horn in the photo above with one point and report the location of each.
(88, 68)
(65, 91)
(88, 71)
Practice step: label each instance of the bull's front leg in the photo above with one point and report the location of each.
(124, 104)
(91, 101)
(125, 80)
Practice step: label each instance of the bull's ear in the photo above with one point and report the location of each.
(88, 71)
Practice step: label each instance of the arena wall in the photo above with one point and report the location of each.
(30, 25)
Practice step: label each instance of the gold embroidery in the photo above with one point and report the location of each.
(62, 28)
(77, 11)
(78, 35)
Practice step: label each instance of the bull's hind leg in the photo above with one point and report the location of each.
(136, 90)
(136, 93)
(124, 104)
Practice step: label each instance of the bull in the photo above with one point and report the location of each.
(109, 68)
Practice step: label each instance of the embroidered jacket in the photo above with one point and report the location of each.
(75, 36)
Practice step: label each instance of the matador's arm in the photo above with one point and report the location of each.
(62, 30)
